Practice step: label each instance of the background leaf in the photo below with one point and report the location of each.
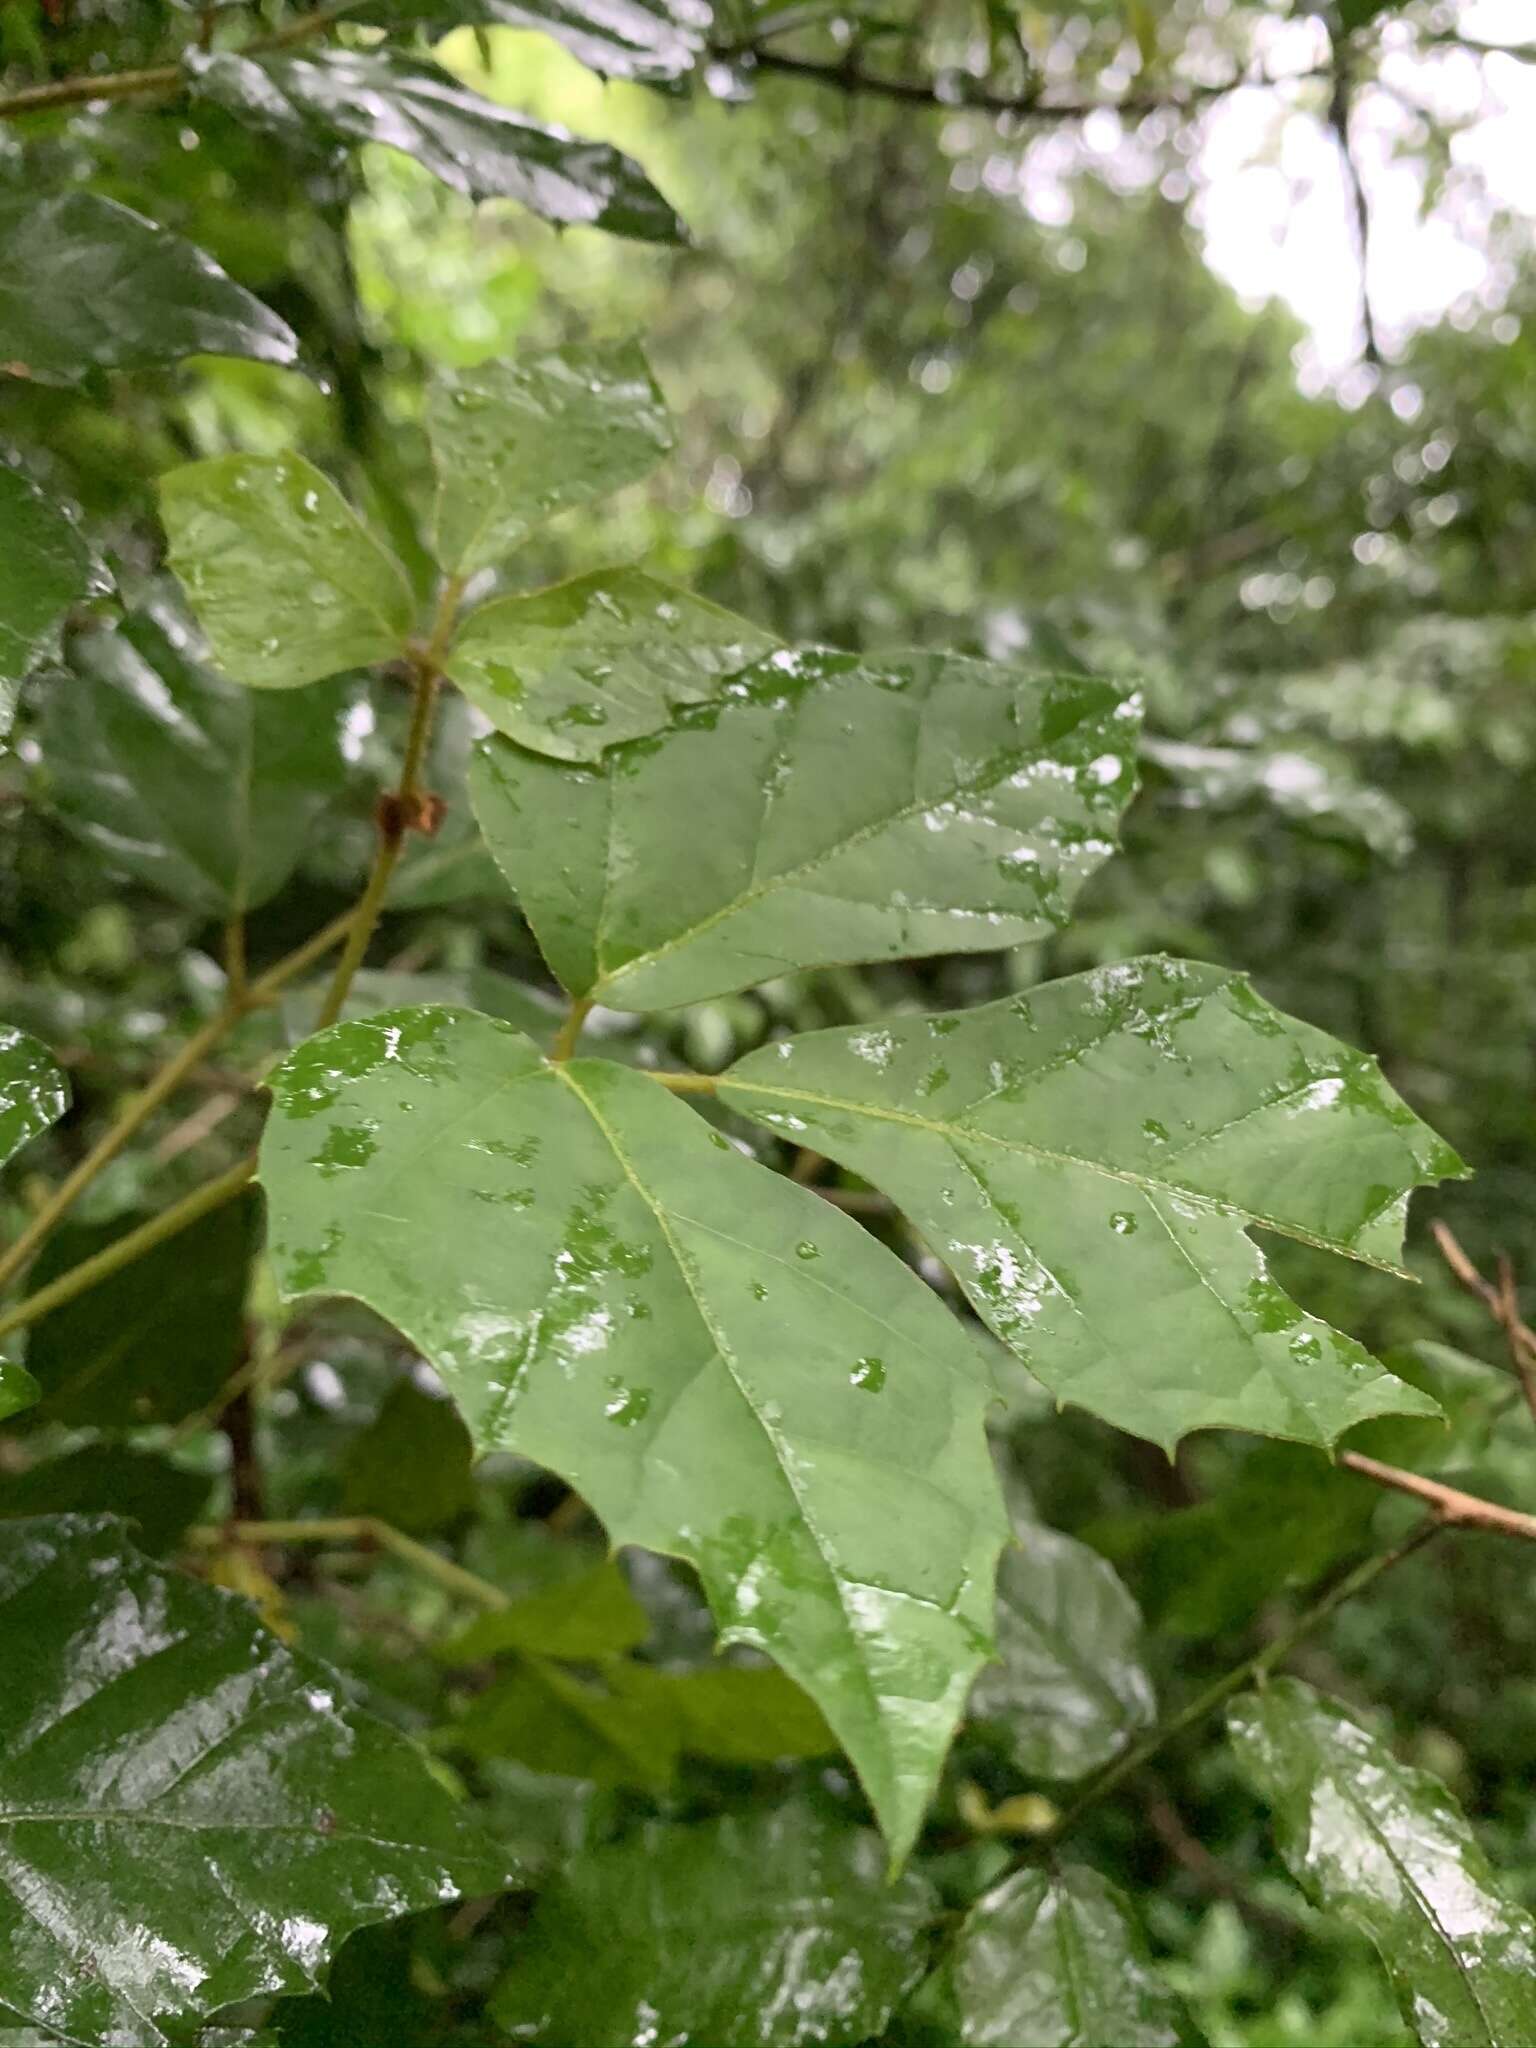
(158, 1498)
(187, 1815)
(33, 1090)
(1085, 1158)
(285, 579)
(977, 802)
(45, 567)
(1386, 1849)
(410, 1466)
(86, 284)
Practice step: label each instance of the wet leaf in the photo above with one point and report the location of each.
(644, 40)
(18, 1389)
(1087, 1159)
(153, 1342)
(285, 579)
(853, 810)
(726, 1369)
(515, 443)
(1053, 1959)
(187, 1815)
(86, 284)
(33, 1090)
(158, 1498)
(603, 658)
(1386, 1849)
(479, 148)
(45, 567)
(410, 1466)
(793, 1936)
(181, 778)
(1069, 1687)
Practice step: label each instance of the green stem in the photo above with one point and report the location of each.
(123, 1251)
(570, 1031)
(164, 1084)
(686, 1084)
(1132, 1760)
(361, 1529)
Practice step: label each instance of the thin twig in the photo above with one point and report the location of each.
(358, 1529)
(1502, 1304)
(1453, 1508)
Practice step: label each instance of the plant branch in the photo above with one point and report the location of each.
(359, 1529)
(1453, 1509)
(164, 1084)
(1501, 1302)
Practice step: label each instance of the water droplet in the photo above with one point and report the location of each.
(806, 1250)
(759, 1291)
(868, 1373)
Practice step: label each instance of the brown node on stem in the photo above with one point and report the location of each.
(397, 813)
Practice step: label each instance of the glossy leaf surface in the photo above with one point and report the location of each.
(285, 579)
(33, 1090)
(1069, 1687)
(18, 1389)
(792, 1936)
(181, 778)
(86, 284)
(154, 1341)
(644, 40)
(187, 1815)
(603, 658)
(728, 1371)
(1052, 1959)
(479, 148)
(1386, 1849)
(45, 567)
(853, 810)
(515, 443)
(1087, 1158)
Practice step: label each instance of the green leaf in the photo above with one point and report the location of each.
(45, 567)
(1386, 1849)
(515, 443)
(86, 285)
(603, 658)
(187, 1815)
(792, 1936)
(153, 1342)
(1087, 1157)
(607, 1726)
(410, 1466)
(728, 1370)
(181, 778)
(33, 1091)
(652, 43)
(285, 579)
(852, 810)
(1052, 1958)
(18, 1389)
(594, 1615)
(159, 1498)
(479, 148)
(1069, 1687)
(745, 1714)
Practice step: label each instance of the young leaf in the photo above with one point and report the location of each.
(86, 285)
(1386, 1849)
(1069, 1687)
(515, 443)
(33, 1092)
(410, 1466)
(1053, 1958)
(154, 1341)
(181, 778)
(603, 658)
(730, 1371)
(479, 148)
(792, 1936)
(852, 810)
(45, 567)
(1087, 1157)
(187, 1815)
(285, 579)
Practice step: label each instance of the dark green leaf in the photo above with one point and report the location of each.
(853, 810)
(85, 285)
(595, 1615)
(479, 148)
(187, 1816)
(515, 443)
(45, 567)
(1052, 1959)
(1086, 1157)
(285, 579)
(603, 658)
(725, 1368)
(33, 1092)
(1386, 1849)
(155, 1341)
(1069, 1687)
(786, 1934)
(607, 1726)
(159, 1498)
(411, 1465)
(745, 1714)
(18, 1389)
(181, 778)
